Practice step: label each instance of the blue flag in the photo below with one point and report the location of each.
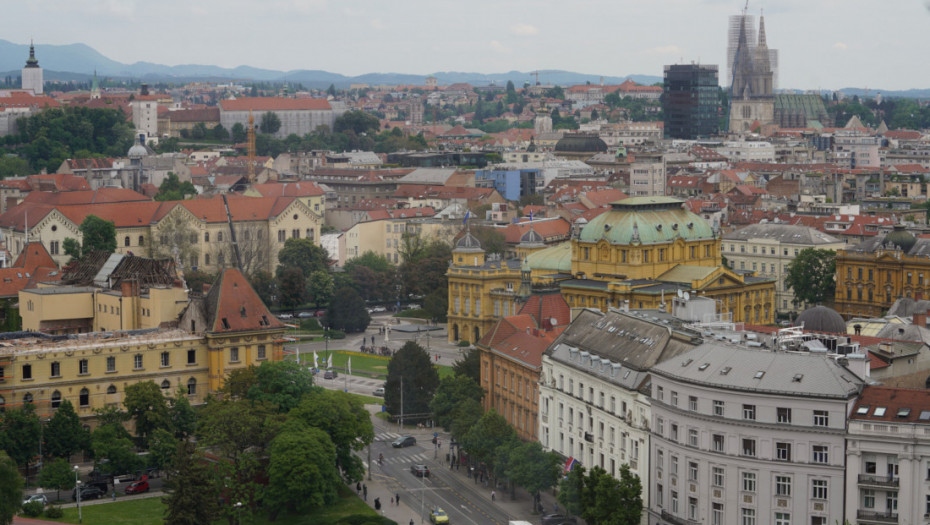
(467, 215)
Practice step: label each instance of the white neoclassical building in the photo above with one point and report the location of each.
(749, 436)
(888, 457)
(594, 402)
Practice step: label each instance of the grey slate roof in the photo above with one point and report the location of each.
(784, 233)
(783, 373)
(920, 249)
(617, 343)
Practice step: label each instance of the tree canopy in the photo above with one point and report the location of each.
(420, 380)
(270, 123)
(11, 489)
(345, 420)
(98, 234)
(811, 275)
(357, 122)
(349, 313)
(64, 435)
(172, 189)
(148, 409)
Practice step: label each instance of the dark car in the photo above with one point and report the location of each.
(330, 374)
(558, 519)
(88, 493)
(404, 441)
(137, 487)
(419, 470)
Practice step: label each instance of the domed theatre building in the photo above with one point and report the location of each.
(637, 255)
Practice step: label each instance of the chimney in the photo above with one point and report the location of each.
(920, 319)
(126, 288)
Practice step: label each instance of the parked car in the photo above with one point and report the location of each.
(438, 515)
(305, 315)
(379, 391)
(404, 441)
(137, 487)
(36, 497)
(379, 309)
(419, 470)
(88, 493)
(285, 316)
(558, 519)
(330, 374)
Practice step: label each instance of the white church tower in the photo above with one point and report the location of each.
(32, 73)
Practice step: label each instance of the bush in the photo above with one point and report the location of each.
(463, 343)
(33, 509)
(335, 334)
(54, 512)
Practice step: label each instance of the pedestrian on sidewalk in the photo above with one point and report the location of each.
(397, 499)
(365, 491)
(492, 495)
(377, 503)
(392, 501)
(358, 488)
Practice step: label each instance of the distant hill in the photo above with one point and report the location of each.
(79, 61)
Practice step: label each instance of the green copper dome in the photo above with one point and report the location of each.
(646, 220)
(901, 238)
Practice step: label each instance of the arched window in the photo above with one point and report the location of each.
(111, 389)
(165, 385)
(27, 398)
(206, 236)
(191, 386)
(126, 241)
(84, 397)
(56, 399)
(141, 240)
(219, 236)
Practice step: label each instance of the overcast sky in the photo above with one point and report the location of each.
(828, 44)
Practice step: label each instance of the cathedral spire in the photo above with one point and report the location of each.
(762, 43)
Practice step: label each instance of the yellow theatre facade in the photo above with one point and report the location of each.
(633, 255)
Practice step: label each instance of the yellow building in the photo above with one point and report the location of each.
(387, 230)
(209, 336)
(632, 255)
(872, 275)
(198, 232)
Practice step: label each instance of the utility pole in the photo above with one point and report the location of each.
(401, 403)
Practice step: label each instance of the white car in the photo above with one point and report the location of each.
(36, 497)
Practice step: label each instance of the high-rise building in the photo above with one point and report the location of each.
(32, 73)
(691, 101)
(752, 74)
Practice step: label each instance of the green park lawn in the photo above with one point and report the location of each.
(368, 365)
(151, 511)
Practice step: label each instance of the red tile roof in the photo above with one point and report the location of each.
(550, 310)
(288, 189)
(274, 104)
(902, 405)
(97, 196)
(237, 306)
(549, 229)
(902, 134)
(33, 264)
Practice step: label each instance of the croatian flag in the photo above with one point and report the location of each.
(571, 464)
(531, 215)
(467, 215)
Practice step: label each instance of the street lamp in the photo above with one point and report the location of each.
(77, 490)
(239, 512)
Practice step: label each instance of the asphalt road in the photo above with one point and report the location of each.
(463, 500)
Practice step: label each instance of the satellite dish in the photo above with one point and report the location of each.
(680, 295)
(687, 296)
(554, 321)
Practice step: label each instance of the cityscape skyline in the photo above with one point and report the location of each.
(824, 44)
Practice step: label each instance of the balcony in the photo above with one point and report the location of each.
(675, 520)
(877, 481)
(870, 516)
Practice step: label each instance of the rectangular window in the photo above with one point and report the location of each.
(261, 352)
(137, 361)
(782, 485)
(660, 426)
(674, 398)
(868, 498)
(782, 451)
(819, 488)
(674, 498)
(82, 367)
(165, 359)
(718, 408)
(692, 508)
(693, 437)
(749, 447)
(111, 364)
(821, 418)
(782, 518)
(716, 514)
(749, 412)
(27, 371)
(673, 435)
(718, 477)
(191, 357)
(749, 481)
(718, 442)
(692, 471)
(820, 454)
(56, 369)
(692, 403)
(747, 516)
(282, 235)
(234, 355)
(784, 415)
(660, 393)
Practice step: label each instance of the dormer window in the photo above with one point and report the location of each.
(225, 323)
(242, 311)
